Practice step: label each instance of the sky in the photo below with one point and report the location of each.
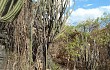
(85, 9)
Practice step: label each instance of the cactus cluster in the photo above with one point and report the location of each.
(9, 9)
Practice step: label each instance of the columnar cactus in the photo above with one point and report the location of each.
(7, 14)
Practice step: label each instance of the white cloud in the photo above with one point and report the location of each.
(106, 7)
(88, 5)
(82, 14)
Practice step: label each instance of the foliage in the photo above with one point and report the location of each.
(73, 48)
(87, 43)
(102, 36)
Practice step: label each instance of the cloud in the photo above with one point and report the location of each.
(82, 14)
(106, 8)
(88, 5)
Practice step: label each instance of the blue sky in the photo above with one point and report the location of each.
(87, 4)
(84, 9)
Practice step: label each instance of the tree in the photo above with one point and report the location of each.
(50, 16)
(30, 28)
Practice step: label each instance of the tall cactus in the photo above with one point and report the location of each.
(12, 10)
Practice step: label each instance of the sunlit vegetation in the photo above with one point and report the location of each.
(85, 46)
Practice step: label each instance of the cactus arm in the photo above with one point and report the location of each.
(11, 5)
(1, 2)
(13, 12)
(2, 6)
